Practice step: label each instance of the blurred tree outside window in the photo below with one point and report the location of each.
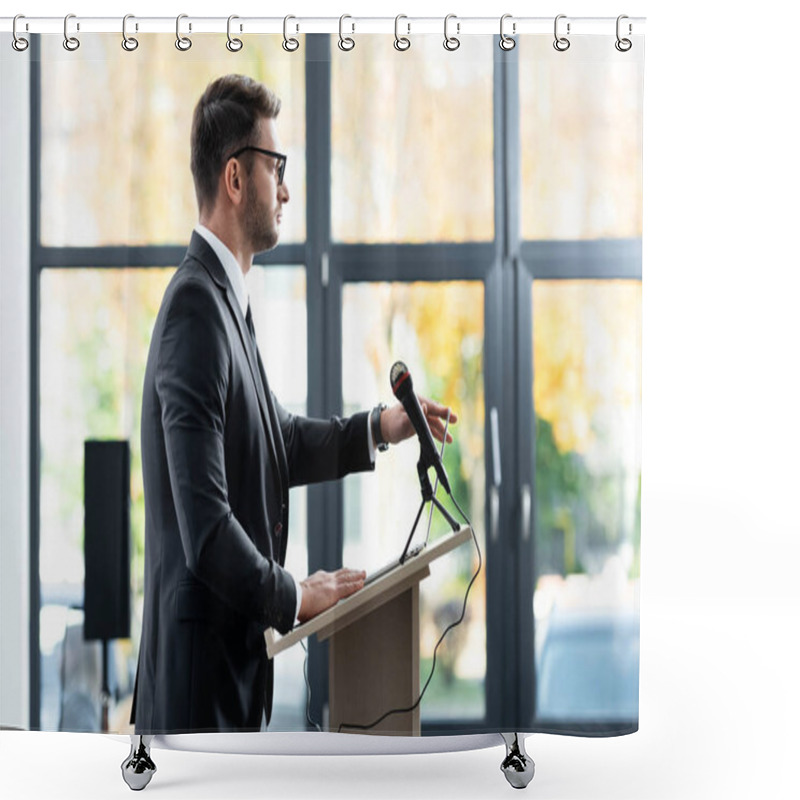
(581, 182)
(436, 329)
(581, 141)
(587, 396)
(412, 142)
(116, 170)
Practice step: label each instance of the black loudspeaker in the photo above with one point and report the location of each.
(106, 541)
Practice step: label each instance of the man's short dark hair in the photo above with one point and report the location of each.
(226, 118)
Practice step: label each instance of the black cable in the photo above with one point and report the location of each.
(441, 639)
(308, 687)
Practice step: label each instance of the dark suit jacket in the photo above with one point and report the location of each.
(219, 454)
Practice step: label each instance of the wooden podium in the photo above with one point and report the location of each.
(374, 646)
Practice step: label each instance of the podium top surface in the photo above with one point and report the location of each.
(375, 594)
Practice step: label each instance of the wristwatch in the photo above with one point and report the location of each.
(375, 426)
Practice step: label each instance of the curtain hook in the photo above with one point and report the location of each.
(19, 43)
(129, 43)
(345, 42)
(233, 44)
(506, 42)
(401, 43)
(623, 45)
(290, 44)
(451, 42)
(183, 43)
(70, 42)
(561, 43)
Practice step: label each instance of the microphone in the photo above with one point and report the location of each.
(403, 389)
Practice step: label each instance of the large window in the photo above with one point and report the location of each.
(476, 214)
(407, 171)
(581, 223)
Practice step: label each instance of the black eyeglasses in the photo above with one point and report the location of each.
(279, 157)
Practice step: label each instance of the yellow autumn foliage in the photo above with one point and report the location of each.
(586, 354)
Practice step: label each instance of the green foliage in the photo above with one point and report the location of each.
(577, 510)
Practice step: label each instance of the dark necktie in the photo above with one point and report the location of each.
(249, 320)
(273, 426)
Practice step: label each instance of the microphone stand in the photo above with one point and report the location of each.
(427, 497)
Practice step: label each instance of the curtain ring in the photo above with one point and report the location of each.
(561, 43)
(19, 43)
(506, 42)
(345, 42)
(70, 42)
(451, 42)
(623, 45)
(233, 44)
(401, 43)
(290, 44)
(183, 43)
(129, 43)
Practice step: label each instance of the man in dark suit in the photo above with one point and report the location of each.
(219, 453)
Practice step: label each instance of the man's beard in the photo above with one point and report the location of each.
(262, 232)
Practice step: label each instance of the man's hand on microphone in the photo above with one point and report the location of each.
(396, 426)
(324, 589)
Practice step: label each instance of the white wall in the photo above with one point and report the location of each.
(14, 385)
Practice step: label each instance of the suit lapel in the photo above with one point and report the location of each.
(202, 251)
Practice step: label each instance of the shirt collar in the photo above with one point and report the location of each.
(229, 264)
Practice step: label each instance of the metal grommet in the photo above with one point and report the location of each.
(451, 42)
(19, 43)
(290, 44)
(233, 44)
(506, 42)
(129, 43)
(561, 43)
(623, 45)
(401, 43)
(345, 42)
(70, 42)
(183, 43)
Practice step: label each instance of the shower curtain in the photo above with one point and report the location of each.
(473, 210)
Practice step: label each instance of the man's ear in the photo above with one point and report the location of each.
(233, 181)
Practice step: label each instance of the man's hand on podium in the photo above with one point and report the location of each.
(324, 589)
